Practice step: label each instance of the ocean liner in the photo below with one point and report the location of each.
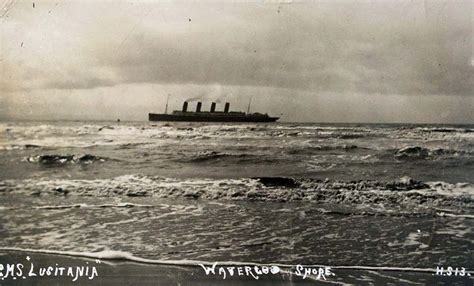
(210, 116)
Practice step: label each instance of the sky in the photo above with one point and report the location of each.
(319, 61)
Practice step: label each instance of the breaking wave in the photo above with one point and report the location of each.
(417, 152)
(402, 192)
(57, 159)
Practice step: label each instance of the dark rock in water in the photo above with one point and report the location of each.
(86, 158)
(137, 194)
(31, 146)
(54, 159)
(443, 130)
(106, 127)
(350, 136)
(278, 182)
(61, 191)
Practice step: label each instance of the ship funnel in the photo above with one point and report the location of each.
(226, 108)
(213, 107)
(185, 106)
(198, 107)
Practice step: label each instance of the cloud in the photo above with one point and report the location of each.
(82, 83)
(335, 47)
(331, 53)
(341, 49)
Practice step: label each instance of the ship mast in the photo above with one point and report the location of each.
(248, 108)
(166, 107)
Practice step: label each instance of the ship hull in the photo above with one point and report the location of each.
(209, 118)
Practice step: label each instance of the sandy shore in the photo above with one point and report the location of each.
(131, 273)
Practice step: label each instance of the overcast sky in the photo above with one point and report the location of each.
(324, 61)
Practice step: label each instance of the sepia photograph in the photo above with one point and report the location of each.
(212, 142)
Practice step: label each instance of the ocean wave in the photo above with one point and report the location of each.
(353, 135)
(133, 145)
(402, 192)
(447, 130)
(214, 156)
(133, 135)
(19, 147)
(418, 152)
(59, 159)
(119, 205)
(317, 148)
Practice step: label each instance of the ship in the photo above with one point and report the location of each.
(210, 116)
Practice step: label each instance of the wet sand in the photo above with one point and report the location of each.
(116, 272)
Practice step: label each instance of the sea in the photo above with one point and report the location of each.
(358, 195)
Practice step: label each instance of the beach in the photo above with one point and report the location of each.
(379, 204)
(117, 272)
